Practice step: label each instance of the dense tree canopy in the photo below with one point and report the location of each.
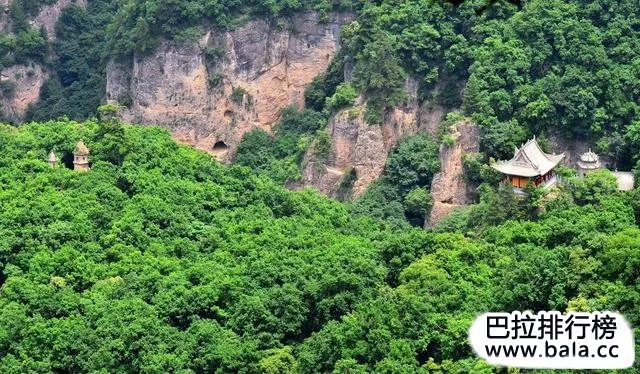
(279, 156)
(168, 261)
(162, 260)
(560, 67)
(568, 67)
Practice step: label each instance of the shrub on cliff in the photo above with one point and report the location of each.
(413, 162)
(344, 96)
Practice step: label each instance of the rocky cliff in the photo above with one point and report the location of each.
(211, 92)
(46, 17)
(28, 79)
(449, 189)
(363, 148)
(574, 148)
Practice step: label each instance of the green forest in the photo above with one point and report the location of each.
(160, 259)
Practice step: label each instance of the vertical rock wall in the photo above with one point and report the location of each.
(214, 91)
(449, 189)
(28, 78)
(356, 145)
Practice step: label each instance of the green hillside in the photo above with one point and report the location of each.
(162, 260)
(159, 259)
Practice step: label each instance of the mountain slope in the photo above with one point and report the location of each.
(161, 259)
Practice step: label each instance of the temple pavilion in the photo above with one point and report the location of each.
(530, 164)
(589, 161)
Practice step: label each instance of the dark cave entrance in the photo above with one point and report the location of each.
(220, 149)
(67, 160)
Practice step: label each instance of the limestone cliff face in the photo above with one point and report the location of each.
(28, 79)
(359, 146)
(449, 189)
(574, 148)
(210, 93)
(4, 15)
(48, 15)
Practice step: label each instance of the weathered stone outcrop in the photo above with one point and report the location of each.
(573, 148)
(363, 147)
(28, 79)
(48, 15)
(214, 91)
(449, 188)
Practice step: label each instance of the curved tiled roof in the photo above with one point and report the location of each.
(529, 161)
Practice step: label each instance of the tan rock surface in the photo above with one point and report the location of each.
(364, 147)
(449, 188)
(49, 14)
(271, 64)
(28, 80)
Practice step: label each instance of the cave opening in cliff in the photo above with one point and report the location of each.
(67, 160)
(220, 149)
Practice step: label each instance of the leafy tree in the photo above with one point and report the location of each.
(381, 200)
(345, 95)
(279, 156)
(110, 135)
(379, 75)
(418, 203)
(633, 138)
(593, 187)
(254, 150)
(325, 84)
(80, 57)
(413, 162)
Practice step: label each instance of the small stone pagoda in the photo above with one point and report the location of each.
(589, 161)
(530, 164)
(81, 157)
(52, 159)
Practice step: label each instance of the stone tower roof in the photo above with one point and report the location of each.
(589, 157)
(589, 160)
(81, 149)
(529, 161)
(52, 157)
